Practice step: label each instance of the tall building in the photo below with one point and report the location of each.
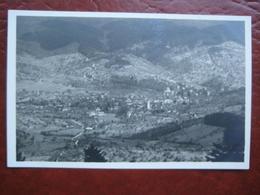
(148, 105)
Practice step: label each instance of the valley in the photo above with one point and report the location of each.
(131, 95)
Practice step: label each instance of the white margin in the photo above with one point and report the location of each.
(11, 90)
(248, 89)
(11, 93)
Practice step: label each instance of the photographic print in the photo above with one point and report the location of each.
(128, 90)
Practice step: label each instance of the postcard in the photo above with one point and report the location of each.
(128, 90)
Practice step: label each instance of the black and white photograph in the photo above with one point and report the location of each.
(128, 90)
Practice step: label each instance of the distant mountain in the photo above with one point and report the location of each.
(132, 53)
(103, 35)
(215, 67)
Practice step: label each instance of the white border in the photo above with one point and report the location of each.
(11, 93)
